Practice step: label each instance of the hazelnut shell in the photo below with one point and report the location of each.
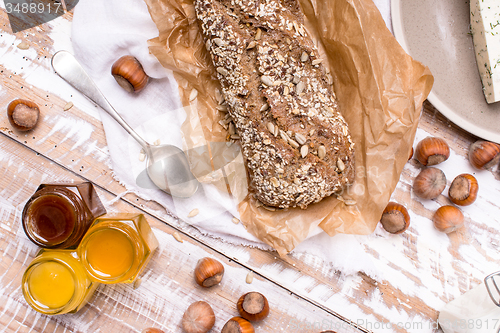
(23, 114)
(198, 318)
(484, 154)
(129, 74)
(429, 183)
(448, 219)
(395, 218)
(208, 272)
(432, 151)
(253, 306)
(238, 325)
(463, 190)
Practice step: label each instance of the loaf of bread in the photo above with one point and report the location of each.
(296, 144)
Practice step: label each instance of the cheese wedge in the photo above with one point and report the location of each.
(485, 27)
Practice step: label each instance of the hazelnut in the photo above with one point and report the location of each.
(484, 154)
(129, 74)
(432, 151)
(198, 318)
(152, 330)
(208, 272)
(23, 114)
(253, 306)
(395, 218)
(448, 219)
(429, 183)
(463, 190)
(238, 325)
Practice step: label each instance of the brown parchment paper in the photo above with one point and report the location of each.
(380, 90)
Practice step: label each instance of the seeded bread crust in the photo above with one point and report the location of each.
(296, 144)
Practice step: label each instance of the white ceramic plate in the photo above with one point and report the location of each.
(437, 33)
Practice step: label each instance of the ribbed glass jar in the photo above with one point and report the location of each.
(55, 282)
(117, 248)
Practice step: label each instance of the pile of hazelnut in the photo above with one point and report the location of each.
(431, 182)
(199, 316)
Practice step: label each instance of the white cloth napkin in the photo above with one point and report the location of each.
(472, 312)
(103, 31)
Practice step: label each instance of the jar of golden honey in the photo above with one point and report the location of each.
(56, 283)
(58, 215)
(117, 248)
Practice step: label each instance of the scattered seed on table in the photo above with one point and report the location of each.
(177, 237)
(194, 212)
(249, 278)
(23, 46)
(68, 106)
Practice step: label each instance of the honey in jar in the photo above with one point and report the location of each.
(117, 248)
(58, 215)
(55, 282)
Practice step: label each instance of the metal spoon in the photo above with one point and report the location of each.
(167, 165)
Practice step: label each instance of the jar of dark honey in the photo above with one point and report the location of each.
(58, 215)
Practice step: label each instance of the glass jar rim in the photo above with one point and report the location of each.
(130, 234)
(71, 198)
(36, 304)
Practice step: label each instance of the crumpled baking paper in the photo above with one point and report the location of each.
(380, 90)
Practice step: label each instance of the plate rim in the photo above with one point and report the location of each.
(397, 26)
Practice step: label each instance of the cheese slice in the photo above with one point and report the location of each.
(485, 27)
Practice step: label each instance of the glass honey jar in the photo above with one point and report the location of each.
(117, 248)
(55, 282)
(58, 215)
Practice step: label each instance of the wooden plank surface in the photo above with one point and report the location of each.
(167, 285)
(305, 289)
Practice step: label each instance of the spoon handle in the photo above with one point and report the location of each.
(67, 67)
